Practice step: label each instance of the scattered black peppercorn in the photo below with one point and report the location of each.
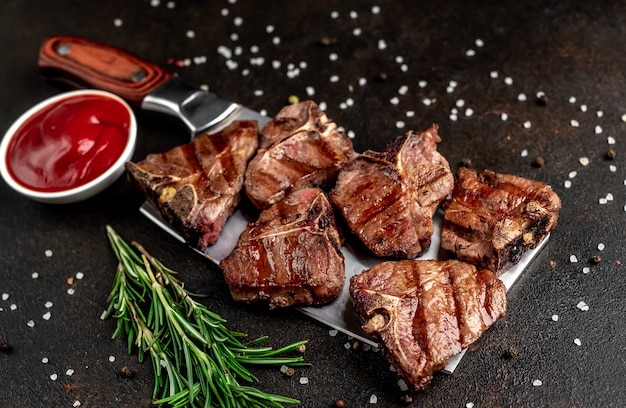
(595, 259)
(5, 347)
(538, 162)
(611, 154)
(381, 77)
(127, 372)
(510, 352)
(465, 162)
(541, 100)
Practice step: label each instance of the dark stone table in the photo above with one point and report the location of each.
(533, 88)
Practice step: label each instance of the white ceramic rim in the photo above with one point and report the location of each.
(66, 194)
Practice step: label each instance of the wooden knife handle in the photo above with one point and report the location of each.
(91, 64)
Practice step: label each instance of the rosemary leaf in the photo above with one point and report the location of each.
(197, 361)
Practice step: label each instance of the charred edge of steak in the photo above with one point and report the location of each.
(388, 198)
(290, 256)
(493, 219)
(197, 186)
(425, 312)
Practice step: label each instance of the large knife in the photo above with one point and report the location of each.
(143, 84)
(86, 63)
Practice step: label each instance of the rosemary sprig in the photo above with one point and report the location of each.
(197, 361)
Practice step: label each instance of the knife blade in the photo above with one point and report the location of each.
(87, 63)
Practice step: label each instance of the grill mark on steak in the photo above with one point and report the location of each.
(389, 198)
(290, 256)
(300, 148)
(424, 312)
(492, 219)
(197, 186)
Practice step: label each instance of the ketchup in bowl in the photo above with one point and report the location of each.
(72, 144)
(69, 143)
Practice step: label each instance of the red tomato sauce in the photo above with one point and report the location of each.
(69, 143)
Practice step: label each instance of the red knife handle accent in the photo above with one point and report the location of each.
(100, 66)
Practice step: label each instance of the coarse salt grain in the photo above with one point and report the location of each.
(586, 270)
(469, 405)
(111, 359)
(574, 123)
(470, 52)
(508, 81)
(394, 101)
(69, 372)
(572, 99)
(624, 117)
(460, 103)
(347, 346)
(610, 140)
(582, 306)
(612, 168)
(71, 291)
(5, 296)
(601, 247)
(598, 129)
(577, 342)
(375, 9)
(555, 317)
(469, 112)
(527, 124)
(479, 42)
(422, 83)
(567, 184)
(48, 305)
(304, 380)
(190, 34)
(584, 161)
(583, 108)
(117, 22)
(382, 44)
(400, 124)
(403, 90)
(44, 360)
(427, 101)
(373, 399)
(13, 306)
(238, 21)
(46, 316)
(524, 153)
(402, 385)
(333, 332)
(30, 324)
(573, 259)
(599, 114)
(34, 275)
(334, 78)
(357, 31)
(572, 174)
(76, 403)
(410, 114)
(493, 74)
(521, 97)
(537, 383)
(53, 377)
(48, 253)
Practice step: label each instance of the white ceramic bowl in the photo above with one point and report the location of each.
(83, 191)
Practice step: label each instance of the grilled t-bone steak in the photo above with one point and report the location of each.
(290, 255)
(299, 148)
(388, 198)
(424, 312)
(197, 186)
(492, 219)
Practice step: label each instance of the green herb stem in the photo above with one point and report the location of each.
(197, 361)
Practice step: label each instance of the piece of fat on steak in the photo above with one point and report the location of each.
(197, 186)
(492, 219)
(290, 256)
(424, 312)
(388, 198)
(300, 148)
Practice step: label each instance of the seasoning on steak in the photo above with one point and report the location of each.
(300, 148)
(424, 312)
(492, 219)
(197, 186)
(290, 256)
(389, 198)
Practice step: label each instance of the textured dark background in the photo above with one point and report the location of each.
(571, 50)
